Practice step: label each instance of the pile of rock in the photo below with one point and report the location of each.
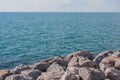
(80, 65)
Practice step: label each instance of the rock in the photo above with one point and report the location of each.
(73, 70)
(54, 72)
(100, 56)
(55, 67)
(111, 61)
(73, 62)
(85, 54)
(116, 54)
(58, 60)
(18, 77)
(3, 74)
(70, 76)
(18, 69)
(34, 73)
(83, 62)
(112, 74)
(42, 66)
(91, 74)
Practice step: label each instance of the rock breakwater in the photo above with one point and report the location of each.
(80, 65)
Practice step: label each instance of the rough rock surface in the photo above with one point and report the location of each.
(18, 77)
(34, 73)
(18, 69)
(91, 74)
(4, 73)
(80, 65)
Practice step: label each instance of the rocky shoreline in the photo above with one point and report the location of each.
(80, 65)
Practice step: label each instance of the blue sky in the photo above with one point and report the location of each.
(59, 5)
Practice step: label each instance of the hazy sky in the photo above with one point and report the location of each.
(60, 5)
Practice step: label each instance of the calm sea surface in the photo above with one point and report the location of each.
(26, 38)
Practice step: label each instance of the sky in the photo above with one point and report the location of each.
(59, 5)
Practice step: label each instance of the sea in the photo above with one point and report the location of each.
(29, 37)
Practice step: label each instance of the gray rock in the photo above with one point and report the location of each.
(100, 56)
(34, 73)
(73, 69)
(18, 69)
(18, 77)
(42, 66)
(91, 74)
(54, 72)
(112, 74)
(73, 62)
(70, 76)
(59, 60)
(85, 54)
(83, 62)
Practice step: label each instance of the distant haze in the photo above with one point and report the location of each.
(59, 5)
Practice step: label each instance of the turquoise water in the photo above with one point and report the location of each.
(26, 38)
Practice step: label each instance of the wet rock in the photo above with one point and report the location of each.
(91, 74)
(101, 56)
(85, 54)
(3, 74)
(34, 73)
(112, 74)
(18, 69)
(18, 77)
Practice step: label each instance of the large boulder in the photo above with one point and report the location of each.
(18, 77)
(3, 74)
(59, 60)
(91, 74)
(73, 69)
(18, 69)
(101, 56)
(73, 62)
(42, 66)
(34, 73)
(81, 62)
(85, 54)
(54, 72)
(111, 61)
(112, 74)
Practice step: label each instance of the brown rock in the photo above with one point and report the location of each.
(3, 74)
